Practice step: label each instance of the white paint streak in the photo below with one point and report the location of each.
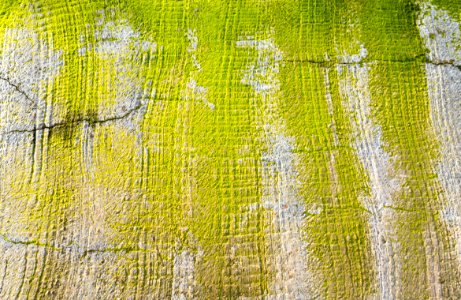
(442, 37)
(354, 90)
(279, 176)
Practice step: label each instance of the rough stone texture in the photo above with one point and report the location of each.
(288, 149)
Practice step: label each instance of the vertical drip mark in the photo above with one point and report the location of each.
(279, 175)
(368, 144)
(442, 36)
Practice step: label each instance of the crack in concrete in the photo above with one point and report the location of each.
(69, 248)
(18, 89)
(26, 243)
(77, 121)
(450, 63)
(422, 58)
(324, 63)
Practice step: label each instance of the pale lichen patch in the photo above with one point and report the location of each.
(441, 34)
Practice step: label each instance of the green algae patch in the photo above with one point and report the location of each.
(389, 30)
(226, 216)
(453, 7)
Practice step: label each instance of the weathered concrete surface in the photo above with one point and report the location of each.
(230, 149)
(441, 34)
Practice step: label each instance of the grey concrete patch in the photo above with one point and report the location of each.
(83, 249)
(28, 65)
(91, 276)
